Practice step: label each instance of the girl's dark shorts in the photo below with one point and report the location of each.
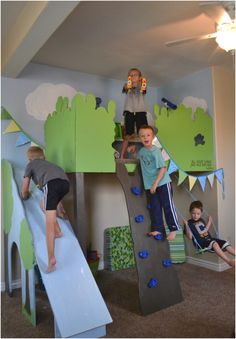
(54, 191)
(132, 119)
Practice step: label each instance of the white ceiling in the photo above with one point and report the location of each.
(109, 37)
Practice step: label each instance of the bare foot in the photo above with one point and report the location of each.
(51, 265)
(62, 215)
(231, 263)
(171, 235)
(42, 206)
(153, 233)
(58, 234)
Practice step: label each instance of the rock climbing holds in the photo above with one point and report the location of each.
(158, 237)
(152, 283)
(167, 262)
(143, 254)
(136, 190)
(139, 218)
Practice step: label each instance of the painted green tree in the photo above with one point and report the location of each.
(7, 196)
(189, 142)
(28, 259)
(79, 138)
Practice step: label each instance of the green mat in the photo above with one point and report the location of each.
(119, 248)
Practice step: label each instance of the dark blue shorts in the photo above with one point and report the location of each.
(162, 200)
(132, 119)
(54, 191)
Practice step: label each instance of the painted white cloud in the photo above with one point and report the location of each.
(42, 100)
(194, 103)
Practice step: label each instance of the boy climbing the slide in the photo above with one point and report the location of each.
(54, 183)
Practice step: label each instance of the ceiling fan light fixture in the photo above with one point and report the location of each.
(226, 36)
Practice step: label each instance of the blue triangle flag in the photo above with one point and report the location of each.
(202, 180)
(172, 167)
(219, 175)
(22, 139)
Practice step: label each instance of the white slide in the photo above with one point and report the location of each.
(78, 307)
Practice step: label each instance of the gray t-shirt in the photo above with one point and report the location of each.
(134, 101)
(42, 171)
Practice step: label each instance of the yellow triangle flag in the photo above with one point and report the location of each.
(12, 128)
(210, 177)
(182, 176)
(192, 181)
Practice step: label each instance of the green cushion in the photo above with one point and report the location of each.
(119, 248)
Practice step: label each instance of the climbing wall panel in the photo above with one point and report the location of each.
(158, 282)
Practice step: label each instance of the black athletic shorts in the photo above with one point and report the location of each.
(132, 119)
(209, 244)
(54, 191)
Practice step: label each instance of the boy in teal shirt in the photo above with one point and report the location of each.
(157, 180)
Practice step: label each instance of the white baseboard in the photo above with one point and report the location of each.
(194, 261)
(15, 284)
(219, 267)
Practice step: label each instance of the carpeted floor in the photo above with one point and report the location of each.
(206, 312)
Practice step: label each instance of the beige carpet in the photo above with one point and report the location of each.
(206, 312)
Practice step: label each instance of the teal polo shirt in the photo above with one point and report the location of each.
(151, 161)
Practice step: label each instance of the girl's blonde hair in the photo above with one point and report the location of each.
(35, 152)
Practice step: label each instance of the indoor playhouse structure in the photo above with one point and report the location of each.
(79, 138)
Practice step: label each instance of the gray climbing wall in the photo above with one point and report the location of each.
(166, 289)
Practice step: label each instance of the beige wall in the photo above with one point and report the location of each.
(224, 125)
(106, 207)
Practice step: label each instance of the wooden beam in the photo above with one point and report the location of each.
(34, 25)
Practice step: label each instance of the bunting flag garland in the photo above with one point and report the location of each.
(172, 167)
(219, 175)
(12, 128)
(192, 181)
(34, 144)
(182, 176)
(210, 177)
(165, 155)
(156, 142)
(202, 180)
(22, 140)
(4, 114)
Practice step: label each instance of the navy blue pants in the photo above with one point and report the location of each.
(162, 200)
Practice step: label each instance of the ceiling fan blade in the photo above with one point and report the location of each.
(216, 12)
(193, 38)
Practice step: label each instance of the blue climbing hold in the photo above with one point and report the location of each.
(152, 283)
(167, 262)
(139, 218)
(149, 206)
(158, 237)
(143, 254)
(136, 190)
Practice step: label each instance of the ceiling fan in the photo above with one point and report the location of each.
(223, 13)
